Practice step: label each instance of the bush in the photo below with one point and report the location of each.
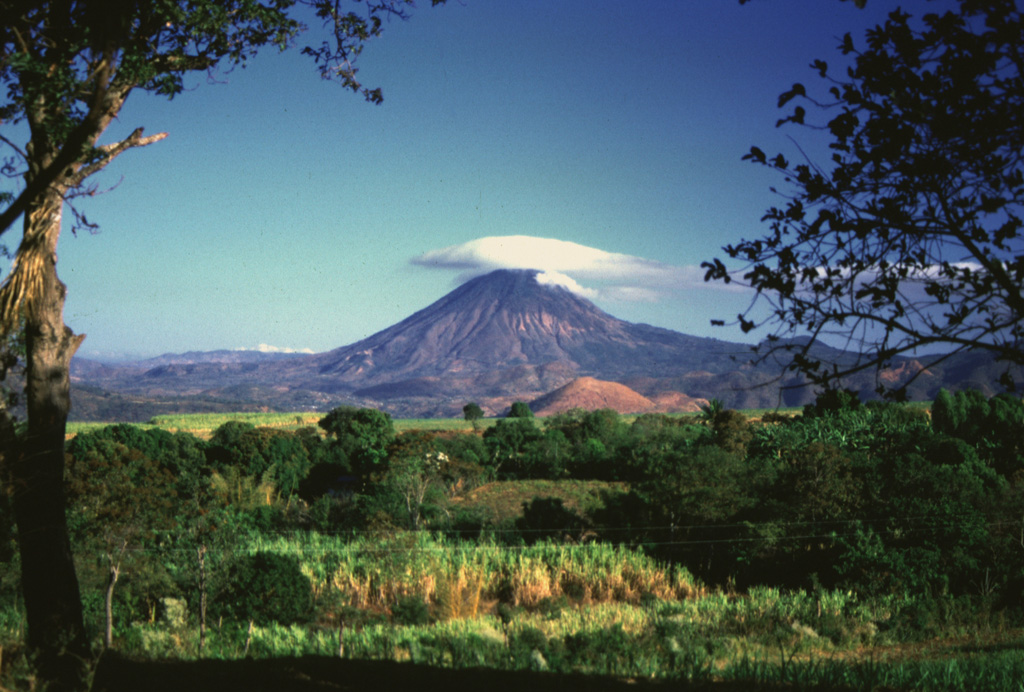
(831, 402)
(410, 610)
(265, 588)
(520, 409)
(546, 518)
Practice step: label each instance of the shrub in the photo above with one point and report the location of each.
(831, 402)
(410, 610)
(472, 411)
(520, 409)
(264, 588)
(546, 518)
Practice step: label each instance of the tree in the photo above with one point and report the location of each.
(508, 440)
(363, 434)
(119, 499)
(520, 409)
(412, 483)
(473, 413)
(68, 68)
(910, 235)
(256, 451)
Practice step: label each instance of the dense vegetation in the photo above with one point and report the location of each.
(675, 546)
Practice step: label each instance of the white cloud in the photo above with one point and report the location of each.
(544, 254)
(550, 278)
(639, 294)
(619, 276)
(267, 348)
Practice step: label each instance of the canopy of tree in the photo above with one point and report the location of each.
(909, 234)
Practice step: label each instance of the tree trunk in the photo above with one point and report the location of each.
(108, 603)
(49, 584)
(201, 554)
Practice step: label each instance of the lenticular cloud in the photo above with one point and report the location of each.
(544, 254)
(563, 263)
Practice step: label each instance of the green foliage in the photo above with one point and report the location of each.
(472, 411)
(871, 498)
(181, 455)
(587, 442)
(995, 426)
(711, 409)
(410, 610)
(520, 410)
(818, 482)
(507, 442)
(547, 518)
(281, 457)
(946, 415)
(120, 504)
(116, 492)
(265, 588)
(832, 402)
(411, 486)
(362, 434)
(580, 425)
(229, 434)
(730, 431)
(467, 449)
(651, 441)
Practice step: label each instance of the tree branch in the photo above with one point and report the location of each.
(109, 152)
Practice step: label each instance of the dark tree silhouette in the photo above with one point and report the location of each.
(909, 235)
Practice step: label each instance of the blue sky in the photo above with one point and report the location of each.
(283, 210)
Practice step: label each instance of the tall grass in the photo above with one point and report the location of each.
(667, 640)
(591, 608)
(456, 576)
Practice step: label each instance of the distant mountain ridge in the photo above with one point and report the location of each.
(498, 338)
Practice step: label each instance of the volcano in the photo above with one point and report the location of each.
(508, 319)
(506, 335)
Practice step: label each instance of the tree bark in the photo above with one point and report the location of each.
(201, 555)
(49, 583)
(108, 602)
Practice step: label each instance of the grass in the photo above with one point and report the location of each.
(202, 425)
(373, 572)
(712, 639)
(594, 609)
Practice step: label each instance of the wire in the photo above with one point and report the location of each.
(933, 528)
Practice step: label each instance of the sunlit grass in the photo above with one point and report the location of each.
(374, 572)
(203, 424)
(714, 637)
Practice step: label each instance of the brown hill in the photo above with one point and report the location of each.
(677, 402)
(591, 394)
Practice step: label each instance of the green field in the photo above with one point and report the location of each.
(203, 424)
